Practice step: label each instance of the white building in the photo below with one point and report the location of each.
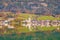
(54, 23)
(27, 23)
(59, 23)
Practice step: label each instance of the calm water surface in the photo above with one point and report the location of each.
(32, 36)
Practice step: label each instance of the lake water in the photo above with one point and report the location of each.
(32, 36)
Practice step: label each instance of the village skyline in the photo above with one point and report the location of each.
(29, 21)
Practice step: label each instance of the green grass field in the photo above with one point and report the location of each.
(26, 16)
(19, 28)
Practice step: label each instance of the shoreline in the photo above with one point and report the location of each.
(18, 33)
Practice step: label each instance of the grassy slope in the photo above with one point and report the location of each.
(26, 16)
(47, 18)
(39, 18)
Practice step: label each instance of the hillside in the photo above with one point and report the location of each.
(18, 28)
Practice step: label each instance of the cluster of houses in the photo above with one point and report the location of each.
(4, 21)
(42, 23)
(30, 23)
